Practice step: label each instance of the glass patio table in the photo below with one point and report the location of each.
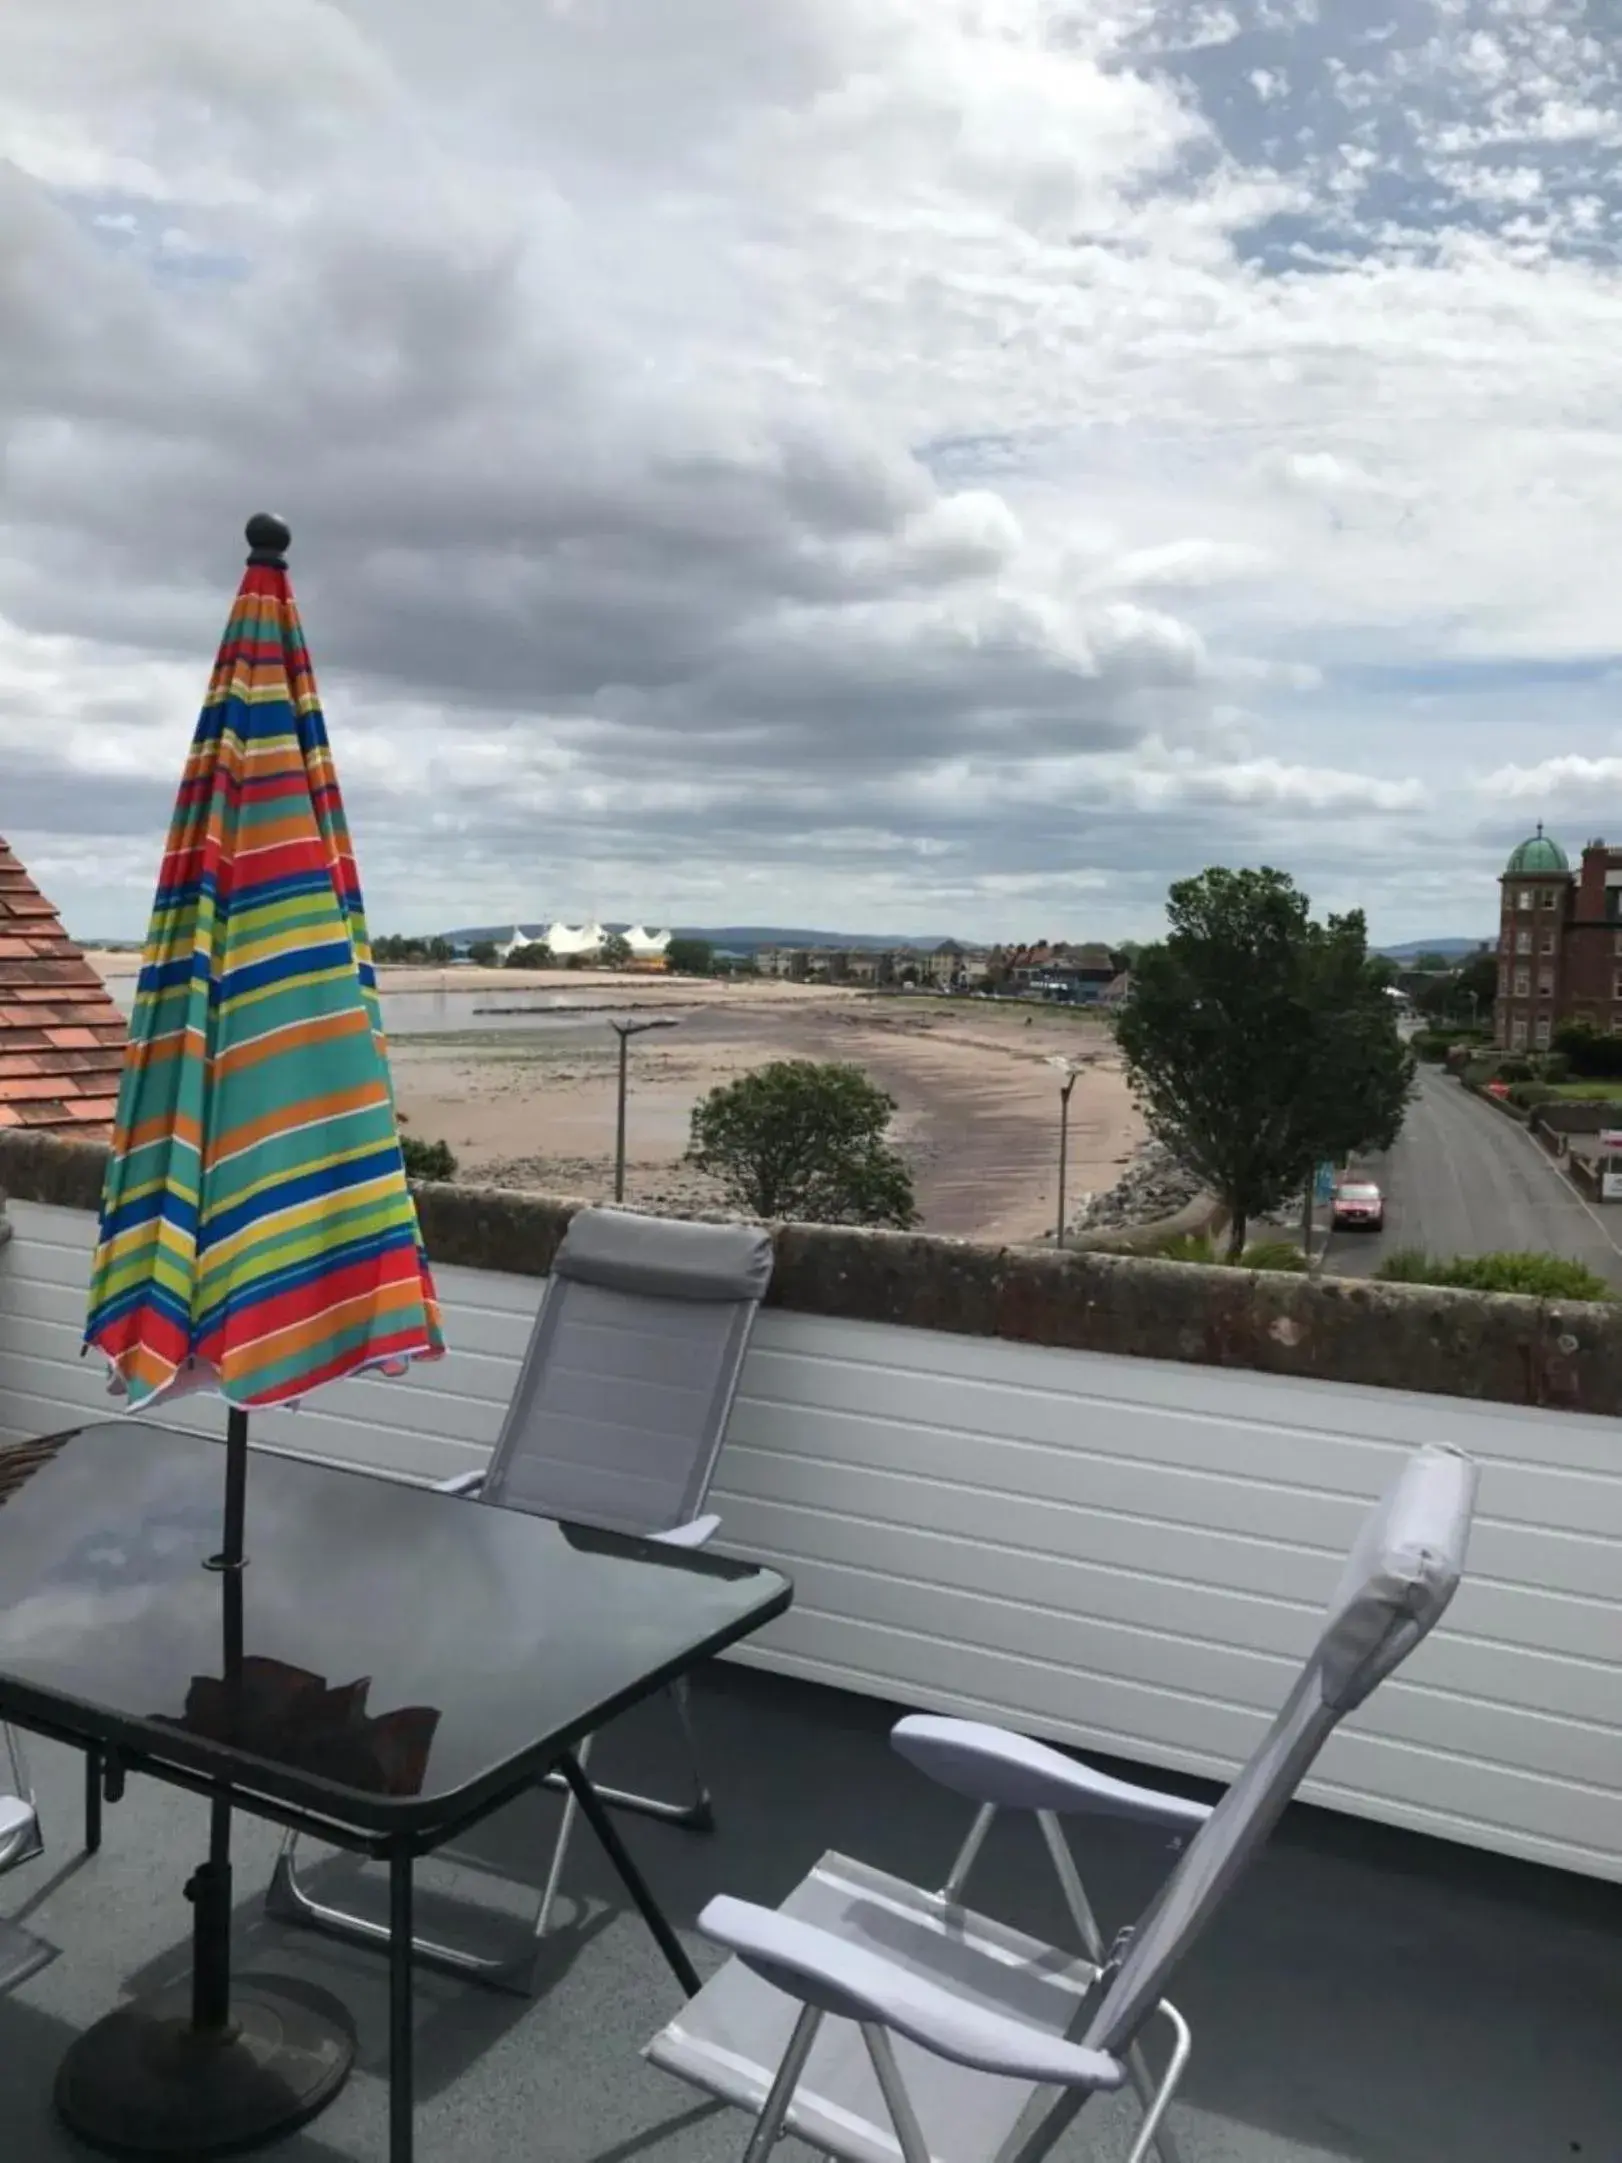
(392, 1666)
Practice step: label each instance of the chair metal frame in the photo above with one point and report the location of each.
(21, 1840)
(290, 1899)
(830, 1948)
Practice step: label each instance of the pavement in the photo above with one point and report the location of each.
(1368, 1996)
(1464, 1179)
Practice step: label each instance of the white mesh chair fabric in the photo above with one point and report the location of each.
(1395, 1588)
(749, 2042)
(617, 1418)
(622, 1401)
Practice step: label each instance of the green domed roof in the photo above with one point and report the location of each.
(1538, 857)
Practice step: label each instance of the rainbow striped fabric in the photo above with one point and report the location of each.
(257, 1232)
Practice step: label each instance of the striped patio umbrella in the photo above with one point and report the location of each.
(257, 1233)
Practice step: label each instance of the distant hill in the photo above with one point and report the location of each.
(1454, 949)
(737, 938)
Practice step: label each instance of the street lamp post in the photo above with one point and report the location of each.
(625, 1030)
(1068, 1070)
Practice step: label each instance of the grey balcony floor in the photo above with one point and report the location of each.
(1368, 1994)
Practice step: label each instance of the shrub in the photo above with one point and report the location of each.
(1551, 1066)
(1513, 1070)
(1432, 1045)
(427, 1160)
(1542, 1276)
(1272, 1254)
(1529, 1094)
(1260, 1254)
(1478, 1073)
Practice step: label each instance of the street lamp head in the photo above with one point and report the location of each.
(640, 1028)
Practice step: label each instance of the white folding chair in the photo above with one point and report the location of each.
(20, 1839)
(874, 2019)
(617, 1419)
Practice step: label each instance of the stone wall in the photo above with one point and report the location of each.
(1457, 1344)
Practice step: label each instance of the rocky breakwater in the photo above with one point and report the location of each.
(1153, 1186)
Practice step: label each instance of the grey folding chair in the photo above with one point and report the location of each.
(617, 1419)
(876, 2020)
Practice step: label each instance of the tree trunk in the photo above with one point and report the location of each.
(1237, 1228)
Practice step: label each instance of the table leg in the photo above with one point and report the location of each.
(92, 1801)
(630, 1877)
(400, 2036)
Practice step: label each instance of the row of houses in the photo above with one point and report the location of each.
(1088, 973)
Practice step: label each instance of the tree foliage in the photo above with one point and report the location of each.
(1260, 1043)
(538, 955)
(393, 948)
(483, 953)
(805, 1140)
(1593, 1056)
(690, 957)
(427, 1160)
(616, 950)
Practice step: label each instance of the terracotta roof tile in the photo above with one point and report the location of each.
(61, 1035)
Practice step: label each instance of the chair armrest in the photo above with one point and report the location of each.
(991, 1765)
(820, 1969)
(693, 1534)
(464, 1483)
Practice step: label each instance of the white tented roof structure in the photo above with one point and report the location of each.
(646, 945)
(566, 940)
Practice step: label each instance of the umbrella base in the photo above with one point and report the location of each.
(145, 2082)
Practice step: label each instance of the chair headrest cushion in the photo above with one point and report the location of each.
(1400, 1576)
(665, 1257)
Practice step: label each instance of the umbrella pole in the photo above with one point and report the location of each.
(204, 2070)
(210, 1888)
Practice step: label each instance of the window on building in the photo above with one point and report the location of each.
(1549, 898)
(1540, 1034)
(1503, 981)
(1619, 942)
(1517, 1033)
(1523, 942)
(1616, 988)
(1548, 942)
(1523, 983)
(1613, 903)
(1545, 983)
(1523, 899)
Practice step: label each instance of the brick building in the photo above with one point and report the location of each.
(1559, 942)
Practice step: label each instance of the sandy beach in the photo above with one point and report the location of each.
(516, 1070)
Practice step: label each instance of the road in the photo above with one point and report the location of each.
(1463, 1179)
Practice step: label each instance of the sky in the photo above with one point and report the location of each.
(885, 465)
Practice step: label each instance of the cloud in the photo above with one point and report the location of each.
(856, 453)
(1570, 776)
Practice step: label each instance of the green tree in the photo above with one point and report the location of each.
(1261, 1043)
(804, 1139)
(616, 950)
(538, 956)
(690, 957)
(483, 953)
(1478, 976)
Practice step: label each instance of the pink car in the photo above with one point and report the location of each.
(1359, 1205)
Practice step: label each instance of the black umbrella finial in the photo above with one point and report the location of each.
(269, 538)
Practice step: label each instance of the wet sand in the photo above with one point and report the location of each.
(977, 1103)
(517, 1071)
